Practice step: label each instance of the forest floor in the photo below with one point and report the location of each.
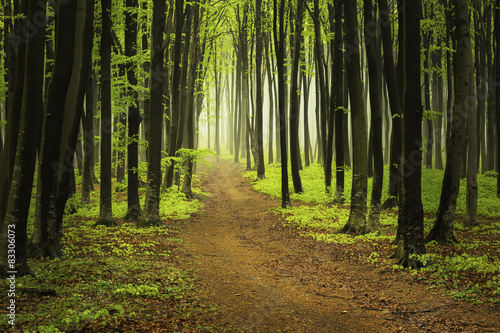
(267, 278)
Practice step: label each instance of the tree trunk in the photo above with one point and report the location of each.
(176, 91)
(13, 227)
(88, 142)
(279, 41)
(14, 115)
(322, 100)
(194, 58)
(106, 214)
(134, 116)
(443, 229)
(261, 168)
(472, 165)
(357, 217)
(338, 76)
(151, 214)
(411, 216)
(295, 102)
(376, 117)
(497, 105)
(395, 106)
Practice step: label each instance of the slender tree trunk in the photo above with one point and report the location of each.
(176, 90)
(151, 214)
(271, 103)
(45, 241)
(443, 229)
(88, 141)
(320, 70)
(395, 105)
(261, 168)
(472, 165)
(295, 102)
(497, 105)
(357, 217)
(14, 115)
(194, 58)
(134, 116)
(338, 76)
(376, 118)
(106, 214)
(13, 260)
(439, 88)
(411, 216)
(279, 41)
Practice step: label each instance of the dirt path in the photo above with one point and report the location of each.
(267, 279)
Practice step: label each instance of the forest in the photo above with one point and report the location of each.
(157, 158)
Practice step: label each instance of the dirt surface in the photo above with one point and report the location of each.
(266, 278)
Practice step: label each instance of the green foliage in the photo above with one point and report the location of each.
(472, 277)
(138, 290)
(196, 156)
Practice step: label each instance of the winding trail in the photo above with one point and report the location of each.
(265, 278)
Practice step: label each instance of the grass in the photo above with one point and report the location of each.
(113, 279)
(468, 270)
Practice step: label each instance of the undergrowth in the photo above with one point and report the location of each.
(113, 278)
(468, 270)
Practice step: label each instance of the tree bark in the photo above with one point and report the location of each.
(395, 106)
(176, 90)
(279, 41)
(16, 85)
(376, 117)
(106, 214)
(151, 214)
(472, 160)
(357, 217)
(134, 116)
(14, 226)
(261, 168)
(443, 229)
(295, 101)
(338, 76)
(411, 216)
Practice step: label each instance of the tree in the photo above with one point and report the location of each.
(411, 214)
(472, 158)
(295, 101)
(106, 214)
(151, 214)
(357, 217)
(88, 140)
(193, 66)
(338, 76)
(45, 237)
(443, 229)
(261, 169)
(134, 116)
(395, 105)
(371, 41)
(279, 46)
(13, 236)
(175, 97)
(497, 54)
(16, 85)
